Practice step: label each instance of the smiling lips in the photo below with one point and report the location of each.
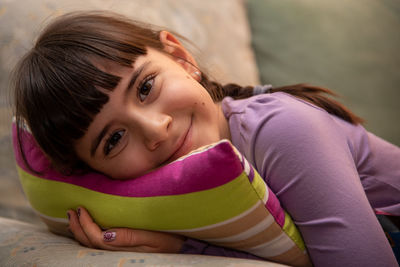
(183, 147)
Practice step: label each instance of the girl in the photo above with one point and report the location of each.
(101, 92)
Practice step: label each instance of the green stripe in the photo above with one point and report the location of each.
(259, 185)
(291, 230)
(178, 212)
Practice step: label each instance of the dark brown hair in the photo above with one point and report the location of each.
(58, 89)
(316, 95)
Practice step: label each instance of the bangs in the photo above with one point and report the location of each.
(59, 88)
(70, 93)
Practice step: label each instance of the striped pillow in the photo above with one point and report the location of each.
(212, 194)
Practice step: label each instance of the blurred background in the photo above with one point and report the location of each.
(351, 47)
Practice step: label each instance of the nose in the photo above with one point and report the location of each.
(155, 129)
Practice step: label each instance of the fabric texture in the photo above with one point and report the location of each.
(24, 244)
(339, 174)
(191, 196)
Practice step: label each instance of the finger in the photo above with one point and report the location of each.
(77, 230)
(91, 229)
(124, 239)
(127, 239)
(93, 232)
(143, 240)
(100, 239)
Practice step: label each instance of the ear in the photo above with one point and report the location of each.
(173, 47)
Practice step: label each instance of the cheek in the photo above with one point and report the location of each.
(128, 164)
(123, 169)
(182, 91)
(206, 105)
(181, 94)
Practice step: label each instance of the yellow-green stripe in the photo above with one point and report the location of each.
(259, 185)
(177, 212)
(291, 230)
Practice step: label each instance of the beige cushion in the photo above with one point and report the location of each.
(218, 28)
(23, 244)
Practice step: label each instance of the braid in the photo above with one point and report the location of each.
(318, 96)
(218, 91)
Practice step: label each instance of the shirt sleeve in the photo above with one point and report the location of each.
(305, 159)
(194, 246)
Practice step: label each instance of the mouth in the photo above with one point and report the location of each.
(184, 145)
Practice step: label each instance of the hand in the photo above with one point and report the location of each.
(88, 233)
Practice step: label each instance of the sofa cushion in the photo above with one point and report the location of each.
(24, 244)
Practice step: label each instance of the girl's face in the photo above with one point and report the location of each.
(157, 113)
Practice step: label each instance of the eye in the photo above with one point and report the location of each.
(112, 141)
(145, 88)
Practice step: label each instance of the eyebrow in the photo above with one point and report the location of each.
(98, 139)
(132, 81)
(134, 77)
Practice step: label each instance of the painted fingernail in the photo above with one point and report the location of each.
(109, 236)
(78, 211)
(69, 216)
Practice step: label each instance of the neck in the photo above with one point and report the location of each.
(225, 132)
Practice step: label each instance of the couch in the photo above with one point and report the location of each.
(350, 47)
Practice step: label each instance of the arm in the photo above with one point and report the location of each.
(306, 160)
(193, 246)
(89, 234)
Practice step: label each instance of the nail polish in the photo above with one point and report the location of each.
(109, 236)
(78, 211)
(69, 216)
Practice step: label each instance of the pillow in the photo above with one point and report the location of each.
(192, 196)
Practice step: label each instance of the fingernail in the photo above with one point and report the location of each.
(109, 236)
(69, 216)
(78, 211)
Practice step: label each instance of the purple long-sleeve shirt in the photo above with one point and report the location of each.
(328, 174)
